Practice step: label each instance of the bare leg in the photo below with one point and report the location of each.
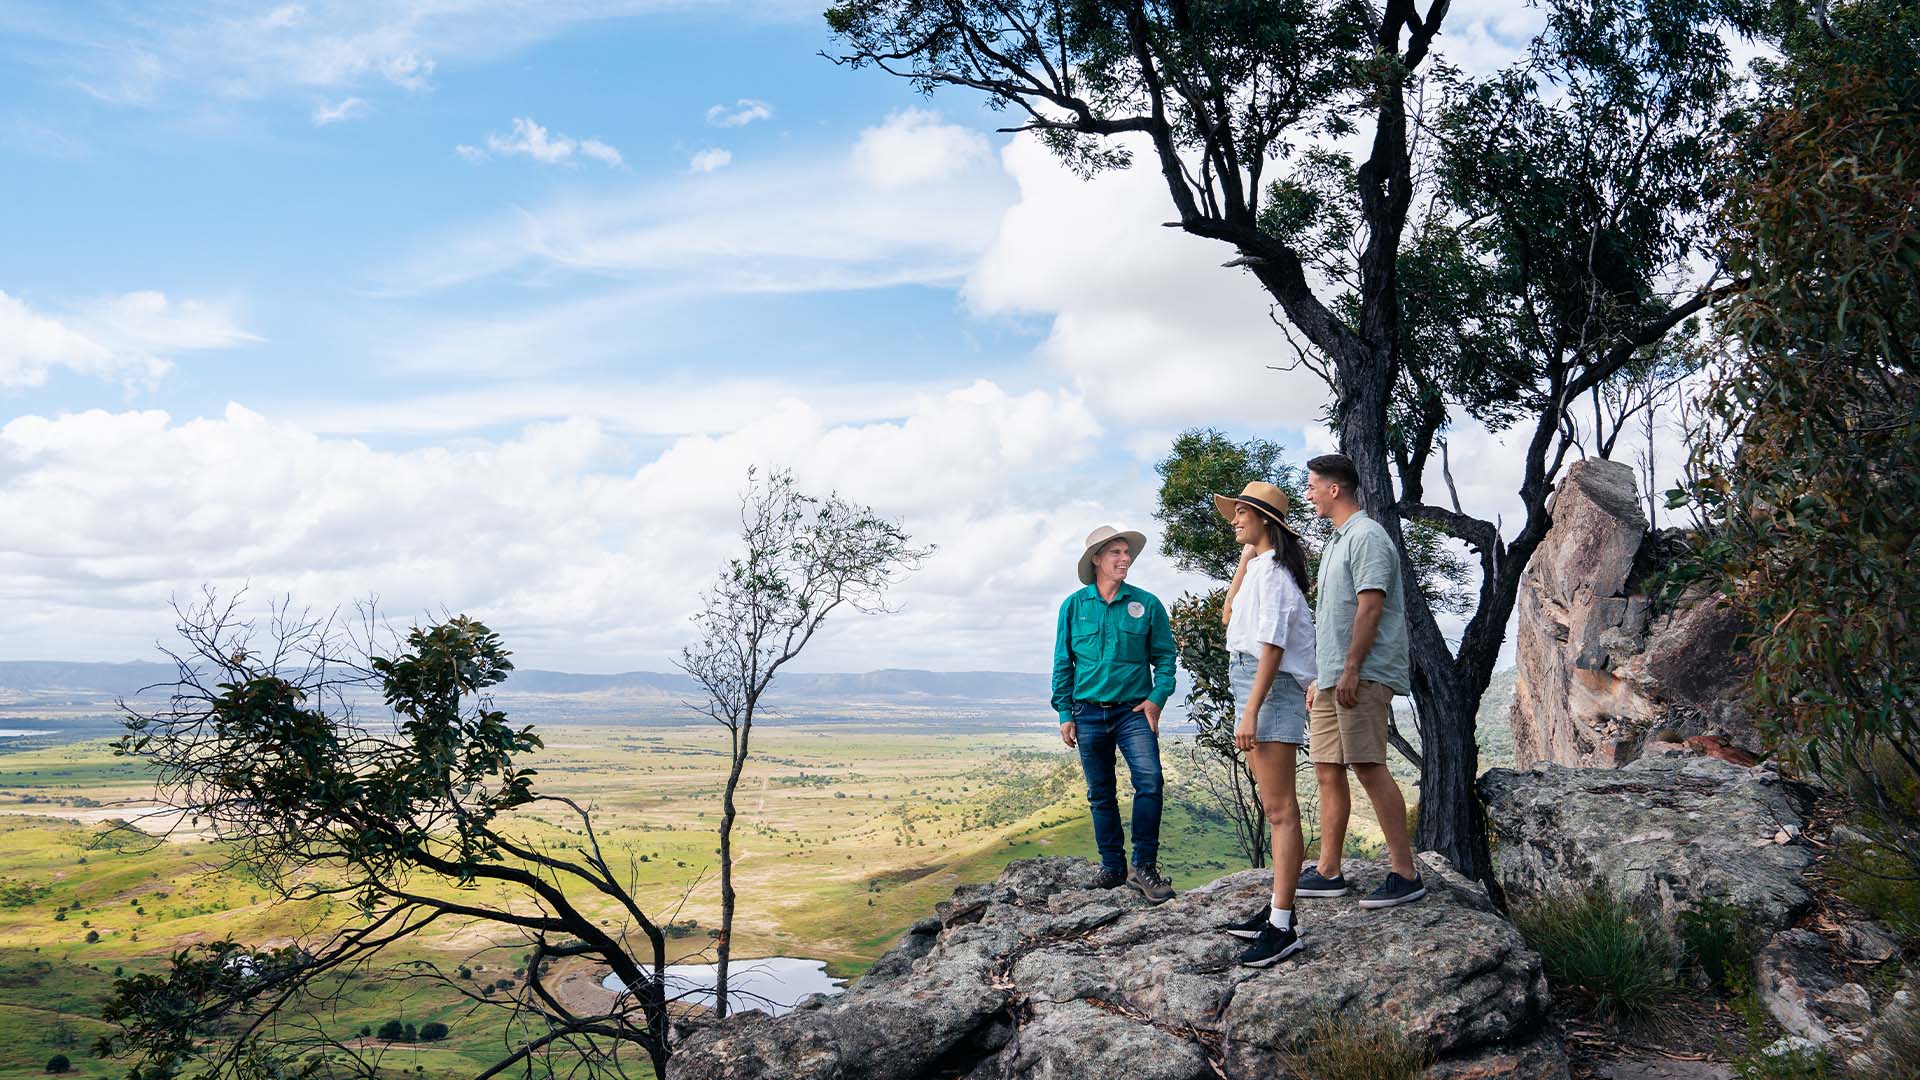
(1273, 771)
(1336, 802)
(1391, 810)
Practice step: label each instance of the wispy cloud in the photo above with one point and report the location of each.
(739, 114)
(126, 338)
(347, 109)
(710, 159)
(532, 140)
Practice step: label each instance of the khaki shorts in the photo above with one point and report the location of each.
(1337, 735)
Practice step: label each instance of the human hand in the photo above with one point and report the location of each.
(1153, 715)
(1243, 733)
(1070, 734)
(1310, 690)
(1347, 690)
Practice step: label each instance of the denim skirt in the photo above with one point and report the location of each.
(1283, 716)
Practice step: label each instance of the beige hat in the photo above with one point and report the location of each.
(1268, 500)
(1097, 539)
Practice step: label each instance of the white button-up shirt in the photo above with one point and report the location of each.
(1270, 609)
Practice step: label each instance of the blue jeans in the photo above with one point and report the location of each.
(1100, 729)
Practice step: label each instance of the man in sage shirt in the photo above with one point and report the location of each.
(1112, 674)
(1360, 642)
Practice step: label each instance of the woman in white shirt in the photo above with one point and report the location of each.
(1271, 662)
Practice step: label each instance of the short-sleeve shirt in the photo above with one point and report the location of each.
(1361, 556)
(1270, 609)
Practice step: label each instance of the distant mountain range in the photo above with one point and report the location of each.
(50, 678)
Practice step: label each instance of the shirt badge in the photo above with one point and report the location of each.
(1136, 608)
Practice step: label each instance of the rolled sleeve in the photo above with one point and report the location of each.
(1063, 665)
(1372, 563)
(1276, 607)
(1160, 653)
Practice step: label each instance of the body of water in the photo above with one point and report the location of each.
(768, 983)
(20, 733)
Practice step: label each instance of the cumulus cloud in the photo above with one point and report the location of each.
(741, 113)
(914, 147)
(710, 159)
(580, 558)
(531, 140)
(346, 109)
(126, 338)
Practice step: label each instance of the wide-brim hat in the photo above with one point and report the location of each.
(1099, 538)
(1268, 501)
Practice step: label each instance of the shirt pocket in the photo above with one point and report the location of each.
(1086, 640)
(1133, 640)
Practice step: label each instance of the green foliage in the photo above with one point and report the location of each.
(1617, 960)
(433, 1031)
(58, 1063)
(1811, 530)
(1341, 1048)
(1786, 1063)
(1223, 774)
(1880, 881)
(15, 893)
(1716, 940)
(1204, 462)
(392, 1031)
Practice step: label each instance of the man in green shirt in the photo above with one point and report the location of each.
(1112, 674)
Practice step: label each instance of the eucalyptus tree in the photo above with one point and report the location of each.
(803, 558)
(1499, 248)
(370, 831)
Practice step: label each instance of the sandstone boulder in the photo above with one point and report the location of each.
(1599, 668)
(1037, 975)
(1667, 832)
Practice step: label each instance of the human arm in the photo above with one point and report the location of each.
(1063, 673)
(1263, 676)
(1366, 624)
(1160, 654)
(1233, 589)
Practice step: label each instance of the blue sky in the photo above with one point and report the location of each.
(487, 307)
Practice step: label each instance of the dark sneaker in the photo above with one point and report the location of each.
(1394, 891)
(1110, 879)
(1250, 926)
(1147, 879)
(1316, 886)
(1272, 946)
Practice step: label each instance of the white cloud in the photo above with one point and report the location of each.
(741, 113)
(578, 558)
(125, 338)
(346, 109)
(710, 159)
(529, 139)
(848, 221)
(915, 147)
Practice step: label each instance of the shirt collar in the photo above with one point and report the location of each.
(1351, 518)
(1126, 587)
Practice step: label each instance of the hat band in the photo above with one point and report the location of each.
(1263, 507)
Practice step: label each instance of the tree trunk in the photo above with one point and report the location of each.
(727, 814)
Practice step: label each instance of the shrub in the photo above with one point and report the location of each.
(93, 936)
(58, 1063)
(432, 1031)
(1340, 1049)
(392, 1031)
(1618, 960)
(1717, 942)
(1882, 883)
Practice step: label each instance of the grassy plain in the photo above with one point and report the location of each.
(848, 833)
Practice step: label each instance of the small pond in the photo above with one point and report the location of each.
(769, 983)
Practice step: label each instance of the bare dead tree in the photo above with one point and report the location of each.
(804, 557)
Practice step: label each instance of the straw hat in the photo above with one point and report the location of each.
(1266, 500)
(1097, 539)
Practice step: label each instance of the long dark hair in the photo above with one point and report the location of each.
(1288, 552)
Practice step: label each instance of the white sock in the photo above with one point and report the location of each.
(1280, 917)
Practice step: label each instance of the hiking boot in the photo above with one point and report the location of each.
(1314, 885)
(1271, 946)
(1395, 891)
(1147, 879)
(1250, 927)
(1110, 879)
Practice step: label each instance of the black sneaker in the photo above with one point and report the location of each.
(1110, 879)
(1318, 887)
(1272, 946)
(1395, 891)
(1147, 879)
(1250, 926)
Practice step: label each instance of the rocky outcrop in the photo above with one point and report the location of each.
(1600, 668)
(1666, 831)
(1037, 975)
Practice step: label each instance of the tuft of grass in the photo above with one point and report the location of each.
(1896, 1047)
(1883, 884)
(1616, 959)
(1337, 1048)
(1716, 940)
